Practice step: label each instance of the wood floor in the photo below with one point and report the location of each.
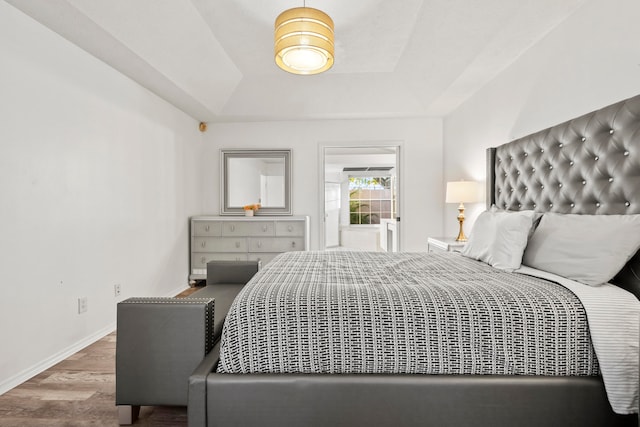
(79, 391)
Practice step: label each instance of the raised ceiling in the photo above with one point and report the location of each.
(214, 58)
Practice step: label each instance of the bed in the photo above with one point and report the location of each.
(309, 341)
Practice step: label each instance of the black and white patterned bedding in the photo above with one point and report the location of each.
(359, 312)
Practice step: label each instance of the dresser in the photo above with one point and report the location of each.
(220, 238)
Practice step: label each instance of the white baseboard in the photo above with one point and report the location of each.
(29, 373)
(177, 291)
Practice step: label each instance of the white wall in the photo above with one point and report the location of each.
(421, 160)
(591, 60)
(97, 180)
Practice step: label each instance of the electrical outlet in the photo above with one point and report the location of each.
(117, 290)
(83, 305)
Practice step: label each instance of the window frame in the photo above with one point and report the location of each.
(372, 175)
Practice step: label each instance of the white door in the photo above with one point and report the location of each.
(332, 214)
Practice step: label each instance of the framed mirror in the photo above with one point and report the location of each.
(256, 176)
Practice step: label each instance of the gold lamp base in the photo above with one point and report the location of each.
(461, 237)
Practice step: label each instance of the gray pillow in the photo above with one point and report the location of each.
(499, 238)
(590, 249)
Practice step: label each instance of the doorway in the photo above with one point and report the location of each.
(361, 195)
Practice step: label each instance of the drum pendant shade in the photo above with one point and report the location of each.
(304, 41)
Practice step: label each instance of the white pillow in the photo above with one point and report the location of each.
(499, 238)
(590, 249)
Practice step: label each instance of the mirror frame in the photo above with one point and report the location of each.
(225, 155)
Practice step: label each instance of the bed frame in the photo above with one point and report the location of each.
(589, 165)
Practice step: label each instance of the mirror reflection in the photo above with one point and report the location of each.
(256, 180)
(256, 176)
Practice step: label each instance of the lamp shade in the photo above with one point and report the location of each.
(304, 41)
(463, 192)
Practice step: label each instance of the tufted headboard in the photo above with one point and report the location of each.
(588, 165)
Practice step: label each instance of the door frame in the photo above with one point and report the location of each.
(322, 148)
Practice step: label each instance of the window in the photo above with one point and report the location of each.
(370, 199)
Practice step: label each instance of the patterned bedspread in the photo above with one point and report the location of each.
(438, 313)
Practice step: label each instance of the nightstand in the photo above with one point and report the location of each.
(444, 244)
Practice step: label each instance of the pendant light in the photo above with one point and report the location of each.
(304, 41)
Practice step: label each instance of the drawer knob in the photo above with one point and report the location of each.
(264, 228)
(203, 260)
(290, 228)
(259, 244)
(293, 244)
(206, 228)
(237, 245)
(203, 244)
(232, 227)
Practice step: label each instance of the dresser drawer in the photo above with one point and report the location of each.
(219, 244)
(276, 244)
(290, 228)
(207, 228)
(248, 228)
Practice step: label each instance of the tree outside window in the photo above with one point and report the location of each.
(370, 199)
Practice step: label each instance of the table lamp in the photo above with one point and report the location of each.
(462, 192)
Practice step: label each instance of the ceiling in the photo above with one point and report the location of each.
(213, 59)
(337, 158)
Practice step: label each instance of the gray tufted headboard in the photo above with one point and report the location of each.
(588, 165)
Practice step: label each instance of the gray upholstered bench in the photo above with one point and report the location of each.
(231, 272)
(162, 341)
